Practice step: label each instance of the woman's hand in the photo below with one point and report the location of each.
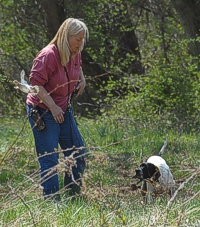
(57, 113)
(81, 87)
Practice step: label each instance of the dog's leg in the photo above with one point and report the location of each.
(144, 191)
(172, 191)
(150, 192)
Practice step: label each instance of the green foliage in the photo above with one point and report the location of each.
(141, 45)
(19, 35)
(168, 90)
(11, 104)
(20, 39)
(152, 90)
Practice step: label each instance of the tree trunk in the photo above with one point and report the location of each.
(54, 15)
(189, 15)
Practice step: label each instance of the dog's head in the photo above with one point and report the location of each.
(146, 171)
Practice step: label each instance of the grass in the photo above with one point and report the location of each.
(110, 196)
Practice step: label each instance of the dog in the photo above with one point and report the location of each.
(156, 177)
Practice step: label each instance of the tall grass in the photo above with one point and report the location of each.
(110, 196)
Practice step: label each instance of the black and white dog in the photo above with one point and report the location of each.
(156, 177)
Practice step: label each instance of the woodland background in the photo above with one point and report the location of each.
(142, 59)
(142, 70)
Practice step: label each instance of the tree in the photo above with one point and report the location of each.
(189, 14)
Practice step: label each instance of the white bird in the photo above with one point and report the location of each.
(24, 86)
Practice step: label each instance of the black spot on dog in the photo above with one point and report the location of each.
(146, 171)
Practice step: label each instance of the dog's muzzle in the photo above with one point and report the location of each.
(139, 174)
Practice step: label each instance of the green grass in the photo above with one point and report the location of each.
(109, 197)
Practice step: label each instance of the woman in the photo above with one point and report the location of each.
(56, 71)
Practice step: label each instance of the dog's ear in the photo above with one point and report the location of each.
(152, 170)
(148, 170)
(144, 165)
(144, 169)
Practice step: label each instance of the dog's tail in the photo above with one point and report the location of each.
(163, 147)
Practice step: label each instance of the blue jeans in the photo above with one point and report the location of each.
(67, 136)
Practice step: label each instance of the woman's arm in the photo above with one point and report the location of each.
(82, 83)
(56, 111)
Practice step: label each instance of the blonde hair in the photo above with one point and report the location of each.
(69, 27)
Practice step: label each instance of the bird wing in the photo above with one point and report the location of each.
(24, 86)
(23, 81)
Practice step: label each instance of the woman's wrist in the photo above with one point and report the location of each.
(81, 77)
(52, 106)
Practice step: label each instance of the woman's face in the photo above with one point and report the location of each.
(75, 42)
